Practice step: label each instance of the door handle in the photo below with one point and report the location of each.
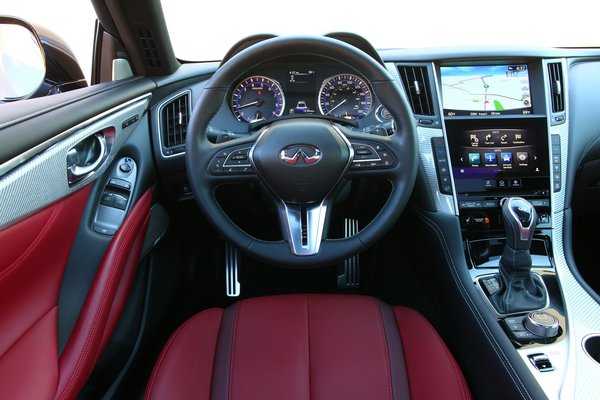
(86, 157)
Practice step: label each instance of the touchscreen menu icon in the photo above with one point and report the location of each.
(490, 158)
(474, 158)
(522, 158)
(506, 158)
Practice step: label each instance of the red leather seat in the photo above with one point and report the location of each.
(307, 347)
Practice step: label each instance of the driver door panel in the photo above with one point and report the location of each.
(43, 218)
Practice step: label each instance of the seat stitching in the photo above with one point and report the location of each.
(308, 346)
(163, 354)
(490, 337)
(232, 352)
(385, 348)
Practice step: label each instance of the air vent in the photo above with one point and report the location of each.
(174, 116)
(557, 94)
(149, 50)
(416, 84)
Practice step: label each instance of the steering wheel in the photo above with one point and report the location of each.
(302, 160)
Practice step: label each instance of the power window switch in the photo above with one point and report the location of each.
(120, 202)
(108, 199)
(541, 362)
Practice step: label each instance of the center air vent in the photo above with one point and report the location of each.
(557, 97)
(416, 83)
(174, 118)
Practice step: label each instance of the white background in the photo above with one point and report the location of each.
(204, 31)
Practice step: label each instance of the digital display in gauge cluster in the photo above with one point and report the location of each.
(305, 89)
(301, 88)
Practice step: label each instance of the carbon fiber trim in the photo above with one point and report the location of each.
(42, 179)
(583, 312)
(443, 203)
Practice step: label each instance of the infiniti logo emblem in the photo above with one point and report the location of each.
(298, 154)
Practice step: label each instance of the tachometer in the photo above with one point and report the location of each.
(257, 98)
(345, 96)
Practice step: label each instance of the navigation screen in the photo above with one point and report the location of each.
(486, 90)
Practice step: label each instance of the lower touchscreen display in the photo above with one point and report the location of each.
(499, 159)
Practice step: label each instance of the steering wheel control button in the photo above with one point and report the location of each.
(542, 324)
(232, 161)
(371, 155)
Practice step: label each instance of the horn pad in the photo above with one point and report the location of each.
(301, 160)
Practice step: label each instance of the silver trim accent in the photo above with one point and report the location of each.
(232, 284)
(539, 328)
(292, 216)
(585, 339)
(350, 278)
(27, 155)
(78, 171)
(43, 180)
(159, 109)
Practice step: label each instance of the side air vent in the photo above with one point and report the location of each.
(149, 50)
(557, 95)
(174, 118)
(416, 83)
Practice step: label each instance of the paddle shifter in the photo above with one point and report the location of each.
(519, 290)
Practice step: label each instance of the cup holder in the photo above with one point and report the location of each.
(591, 345)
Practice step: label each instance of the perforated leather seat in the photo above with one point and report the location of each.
(307, 347)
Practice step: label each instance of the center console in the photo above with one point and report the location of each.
(498, 149)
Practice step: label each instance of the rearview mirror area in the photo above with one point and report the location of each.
(22, 60)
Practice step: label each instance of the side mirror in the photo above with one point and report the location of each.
(22, 60)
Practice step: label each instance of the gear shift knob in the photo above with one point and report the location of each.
(520, 220)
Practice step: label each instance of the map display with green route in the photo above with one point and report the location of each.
(486, 89)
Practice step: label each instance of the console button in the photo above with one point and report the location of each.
(469, 204)
(541, 361)
(555, 158)
(489, 183)
(556, 186)
(104, 230)
(555, 139)
(556, 167)
(490, 203)
(437, 141)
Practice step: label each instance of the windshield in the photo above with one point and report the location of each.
(206, 30)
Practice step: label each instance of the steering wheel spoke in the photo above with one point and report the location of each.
(303, 226)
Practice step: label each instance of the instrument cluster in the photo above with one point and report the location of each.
(292, 89)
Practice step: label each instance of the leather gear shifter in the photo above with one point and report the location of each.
(519, 291)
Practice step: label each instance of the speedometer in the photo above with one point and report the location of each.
(257, 98)
(345, 96)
